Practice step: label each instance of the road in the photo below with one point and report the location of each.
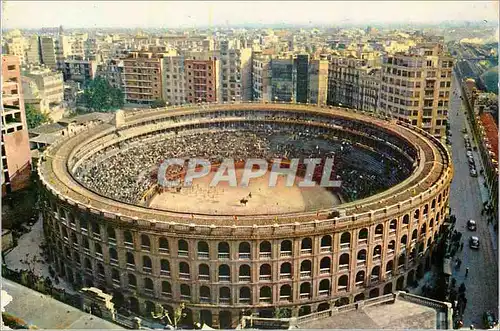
(466, 203)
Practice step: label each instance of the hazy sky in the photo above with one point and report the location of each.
(37, 14)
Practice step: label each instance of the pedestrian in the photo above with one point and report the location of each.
(461, 246)
(466, 271)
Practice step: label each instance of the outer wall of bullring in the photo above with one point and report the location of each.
(221, 272)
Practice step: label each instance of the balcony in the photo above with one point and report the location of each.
(306, 251)
(304, 296)
(361, 263)
(145, 248)
(265, 255)
(324, 271)
(345, 246)
(183, 253)
(99, 256)
(116, 283)
(205, 299)
(362, 241)
(223, 256)
(285, 298)
(86, 250)
(265, 277)
(388, 273)
(305, 274)
(244, 256)
(97, 236)
(163, 250)
(265, 300)
(377, 257)
(343, 267)
(378, 237)
(341, 288)
(146, 270)
(224, 301)
(374, 278)
(244, 278)
(165, 273)
(325, 249)
(128, 244)
(203, 255)
(324, 293)
(285, 253)
(245, 300)
(185, 297)
(112, 241)
(183, 275)
(203, 277)
(224, 278)
(149, 291)
(166, 294)
(285, 276)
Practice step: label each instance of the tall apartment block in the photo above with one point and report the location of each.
(173, 80)
(416, 87)
(16, 157)
(283, 79)
(353, 81)
(261, 76)
(33, 51)
(318, 81)
(236, 71)
(48, 50)
(142, 77)
(202, 80)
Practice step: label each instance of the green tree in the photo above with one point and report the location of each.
(35, 117)
(158, 103)
(100, 96)
(280, 312)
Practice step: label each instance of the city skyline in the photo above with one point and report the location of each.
(172, 14)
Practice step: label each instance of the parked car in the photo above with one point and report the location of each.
(471, 225)
(474, 242)
(471, 160)
(489, 320)
(473, 172)
(464, 130)
(469, 153)
(466, 137)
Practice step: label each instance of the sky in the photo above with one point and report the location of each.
(188, 14)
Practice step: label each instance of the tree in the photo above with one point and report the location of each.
(280, 312)
(158, 103)
(35, 117)
(160, 313)
(100, 96)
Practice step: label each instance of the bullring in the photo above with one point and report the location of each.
(224, 264)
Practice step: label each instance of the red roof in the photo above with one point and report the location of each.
(491, 132)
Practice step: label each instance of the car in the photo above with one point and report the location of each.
(474, 242)
(464, 130)
(469, 149)
(469, 153)
(471, 160)
(473, 172)
(466, 137)
(489, 320)
(471, 225)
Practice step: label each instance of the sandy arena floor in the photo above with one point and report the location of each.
(225, 200)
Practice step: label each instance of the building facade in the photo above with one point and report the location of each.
(79, 71)
(318, 82)
(16, 157)
(174, 80)
(202, 80)
(236, 71)
(416, 87)
(48, 52)
(142, 77)
(261, 76)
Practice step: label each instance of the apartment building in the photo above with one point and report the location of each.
(48, 50)
(283, 79)
(202, 80)
(173, 79)
(16, 45)
(16, 157)
(112, 72)
(416, 87)
(236, 71)
(318, 81)
(142, 77)
(353, 81)
(33, 55)
(261, 76)
(44, 89)
(79, 70)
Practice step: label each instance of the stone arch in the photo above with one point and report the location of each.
(374, 293)
(359, 297)
(388, 288)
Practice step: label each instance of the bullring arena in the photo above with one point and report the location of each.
(109, 226)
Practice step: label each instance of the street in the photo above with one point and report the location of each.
(466, 203)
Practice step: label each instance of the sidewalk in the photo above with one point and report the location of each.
(482, 188)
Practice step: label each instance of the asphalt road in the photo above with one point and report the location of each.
(466, 203)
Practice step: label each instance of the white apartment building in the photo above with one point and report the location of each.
(261, 76)
(174, 82)
(318, 81)
(416, 87)
(236, 70)
(50, 84)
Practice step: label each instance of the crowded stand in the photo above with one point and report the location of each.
(125, 171)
